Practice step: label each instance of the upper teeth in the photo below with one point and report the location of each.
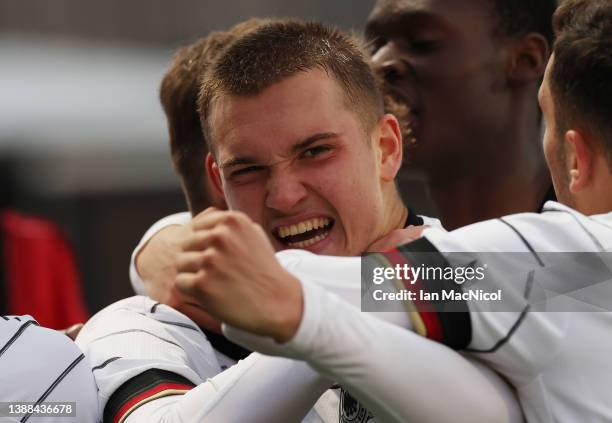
(301, 227)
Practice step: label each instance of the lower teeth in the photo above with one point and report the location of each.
(308, 242)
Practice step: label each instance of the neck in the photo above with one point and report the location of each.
(397, 213)
(509, 177)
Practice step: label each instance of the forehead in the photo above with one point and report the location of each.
(284, 113)
(466, 13)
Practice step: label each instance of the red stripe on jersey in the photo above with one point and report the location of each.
(425, 309)
(143, 397)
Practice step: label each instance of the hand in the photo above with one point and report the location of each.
(156, 263)
(397, 237)
(228, 266)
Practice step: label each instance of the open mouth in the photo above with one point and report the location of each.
(305, 233)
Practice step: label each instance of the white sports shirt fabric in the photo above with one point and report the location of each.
(40, 365)
(145, 356)
(277, 380)
(559, 362)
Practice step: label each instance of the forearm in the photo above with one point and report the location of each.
(257, 389)
(398, 375)
(340, 276)
(152, 265)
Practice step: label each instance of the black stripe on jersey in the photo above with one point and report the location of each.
(137, 385)
(167, 322)
(180, 324)
(5, 318)
(154, 308)
(17, 318)
(17, 334)
(55, 383)
(225, 346)
(456, 325)
(103, 365)
(589, 233)
(527, 244)
(140, 331)
(516, 324)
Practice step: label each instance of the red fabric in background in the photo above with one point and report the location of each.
(40, 272)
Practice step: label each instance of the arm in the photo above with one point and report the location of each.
(257, 389)
(392, 370)
(152, 267)
(129, 346)
(398, 375)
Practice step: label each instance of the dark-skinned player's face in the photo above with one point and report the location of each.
(441, 58)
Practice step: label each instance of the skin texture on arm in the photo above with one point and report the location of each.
(155, 262)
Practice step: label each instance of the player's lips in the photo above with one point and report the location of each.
(304, 233)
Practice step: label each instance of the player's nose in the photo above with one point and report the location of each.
(285, 190)
(387, 62)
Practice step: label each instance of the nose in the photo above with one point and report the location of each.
(388, 63)
(285, 190)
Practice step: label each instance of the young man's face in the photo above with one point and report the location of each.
(299, 163)
(553, 146)
(439, 57)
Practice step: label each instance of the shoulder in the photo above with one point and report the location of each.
(43, 362)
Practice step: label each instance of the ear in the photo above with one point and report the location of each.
(528, 58)
(214, 175)
(579, 158)
(389, 143)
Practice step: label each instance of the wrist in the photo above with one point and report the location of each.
(290, 311)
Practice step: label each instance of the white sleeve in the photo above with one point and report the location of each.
(398, 375)
(256, 389)
(340, 276)
(174, 219)
(40, 364)
(139, 346)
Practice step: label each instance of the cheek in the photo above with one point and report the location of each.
(246, 198)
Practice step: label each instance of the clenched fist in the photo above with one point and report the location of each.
(228, 266)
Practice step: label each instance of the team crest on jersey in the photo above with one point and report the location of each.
(351, 411)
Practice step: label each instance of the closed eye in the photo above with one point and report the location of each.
(246, 170)
(316, 151)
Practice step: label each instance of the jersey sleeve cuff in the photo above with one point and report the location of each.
(147, 386)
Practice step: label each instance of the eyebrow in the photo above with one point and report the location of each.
(312, 139)
(244, 160)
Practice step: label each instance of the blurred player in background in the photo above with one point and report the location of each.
(465, 75)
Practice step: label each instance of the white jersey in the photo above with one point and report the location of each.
(43, 366)
(139, 349)
(330, 407)
(557, 361)
(152, 363)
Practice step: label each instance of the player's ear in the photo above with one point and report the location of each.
(579, 156)
(389, 144)
(214, 175)
(527, 59)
